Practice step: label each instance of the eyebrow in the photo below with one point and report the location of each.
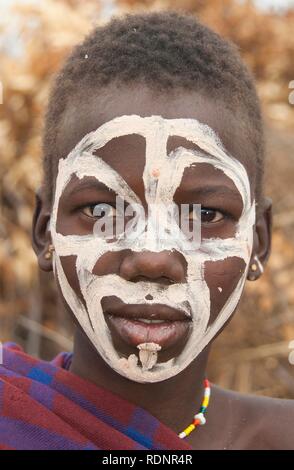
(87, 184)
(219, 190)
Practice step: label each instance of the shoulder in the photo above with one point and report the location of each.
(260, 422)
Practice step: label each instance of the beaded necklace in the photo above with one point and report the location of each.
(199, 418)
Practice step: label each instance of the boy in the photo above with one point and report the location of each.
(153, 130)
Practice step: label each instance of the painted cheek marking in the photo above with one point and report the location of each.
(162, 175)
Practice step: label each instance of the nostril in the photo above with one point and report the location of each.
(149, 297)
(165, 280)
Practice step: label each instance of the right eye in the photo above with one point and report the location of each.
(97, 211)
(211, 216)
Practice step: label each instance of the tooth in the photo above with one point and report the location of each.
(148, 320)
(148, 354)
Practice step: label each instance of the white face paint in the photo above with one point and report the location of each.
(162, 176)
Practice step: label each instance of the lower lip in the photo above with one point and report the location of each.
(134, 332)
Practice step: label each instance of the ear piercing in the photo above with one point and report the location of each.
(48, 254)
(254, 267)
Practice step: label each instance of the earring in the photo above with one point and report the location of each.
(254, 268)
(48, 254)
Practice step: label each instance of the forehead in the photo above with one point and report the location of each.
(87, 112)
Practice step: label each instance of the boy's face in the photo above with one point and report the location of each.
(148, 161)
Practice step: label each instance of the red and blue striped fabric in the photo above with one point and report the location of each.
(43, 406)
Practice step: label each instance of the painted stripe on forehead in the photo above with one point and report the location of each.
(148, 127)
(156, 131)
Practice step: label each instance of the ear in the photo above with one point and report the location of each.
(41, 238)
(261, 241)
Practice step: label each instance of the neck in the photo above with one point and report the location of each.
(173, 402)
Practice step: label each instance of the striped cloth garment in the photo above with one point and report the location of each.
(43, 406)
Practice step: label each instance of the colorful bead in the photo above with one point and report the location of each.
(196, 422)
(205, 402)
(199, 418)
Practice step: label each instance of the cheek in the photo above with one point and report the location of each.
(222, 278)
(69, 267)
(107, 264)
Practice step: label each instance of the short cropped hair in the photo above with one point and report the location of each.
(165, 50)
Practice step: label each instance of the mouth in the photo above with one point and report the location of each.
(156, 323)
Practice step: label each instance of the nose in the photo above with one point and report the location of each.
(164, 267)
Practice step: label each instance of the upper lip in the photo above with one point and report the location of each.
(150, 312)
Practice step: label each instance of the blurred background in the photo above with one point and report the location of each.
(253, 354)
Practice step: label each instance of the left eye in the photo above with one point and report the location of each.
(100, 210)
(208, 216)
